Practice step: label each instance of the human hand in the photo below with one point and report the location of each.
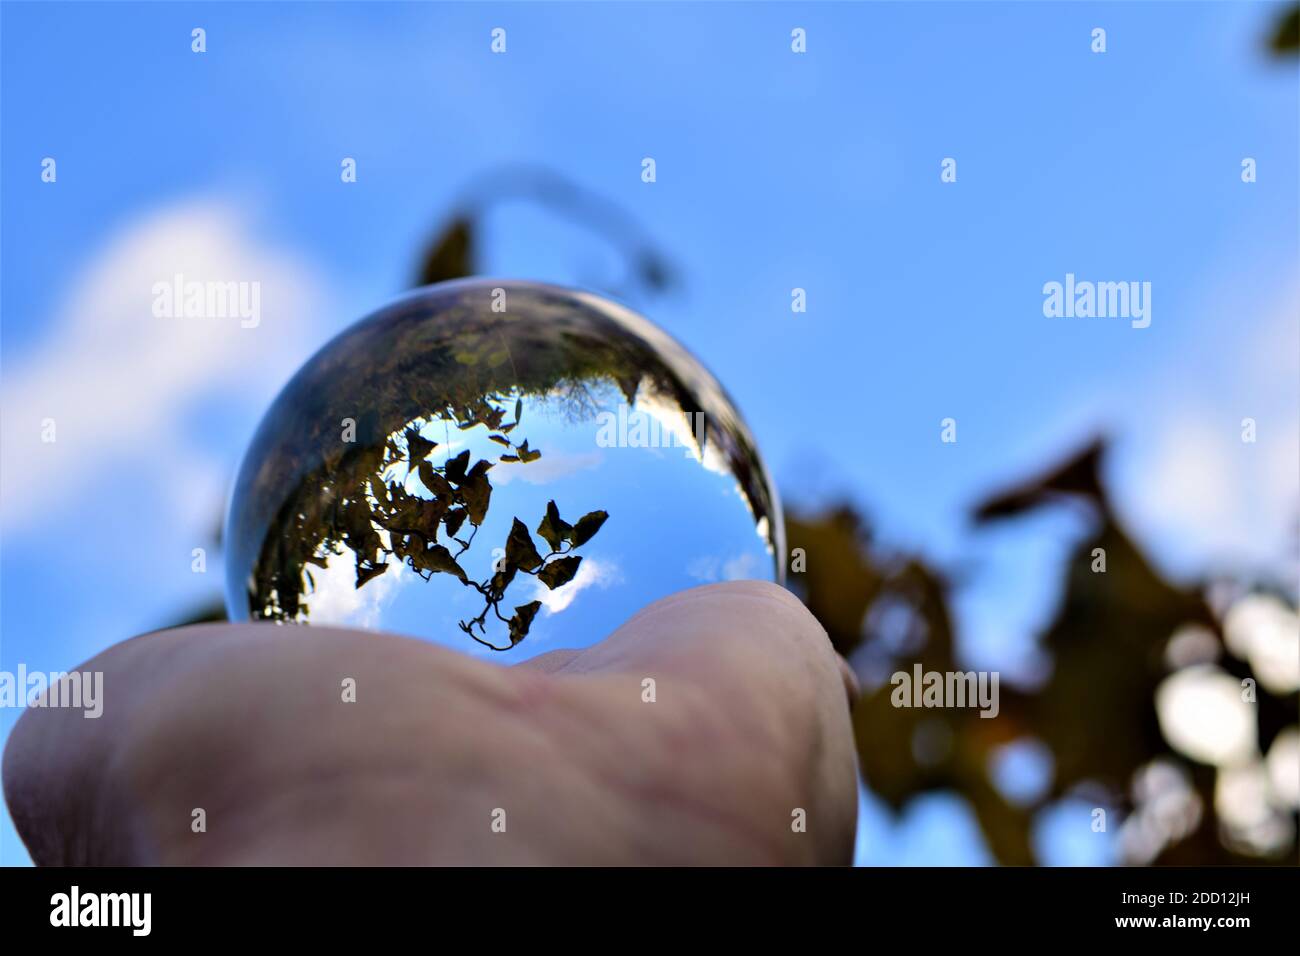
(749, 726)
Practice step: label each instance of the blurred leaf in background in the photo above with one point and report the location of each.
(1286, 35)
(1118, 636)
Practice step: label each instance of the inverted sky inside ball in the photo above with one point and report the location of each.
(499, 467)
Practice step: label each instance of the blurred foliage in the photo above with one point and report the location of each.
(1095, 712)
(1285, 39)
(451, 256)
(454, 253)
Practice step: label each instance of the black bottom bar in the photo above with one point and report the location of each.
(210, 905)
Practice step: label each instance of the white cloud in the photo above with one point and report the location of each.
(119, 382)
(1190, 485)
(709, 567)
(545, 470)
(1190, 473)
(335, 599)
(591, 573)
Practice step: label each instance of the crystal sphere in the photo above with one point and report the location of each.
(502, 467)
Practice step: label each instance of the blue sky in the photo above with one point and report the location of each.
(774, 171)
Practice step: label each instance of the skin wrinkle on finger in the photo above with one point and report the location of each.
(591, 772)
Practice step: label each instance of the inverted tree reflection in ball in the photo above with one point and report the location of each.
(496, 461)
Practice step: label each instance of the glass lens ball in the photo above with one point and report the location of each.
(506, 468)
